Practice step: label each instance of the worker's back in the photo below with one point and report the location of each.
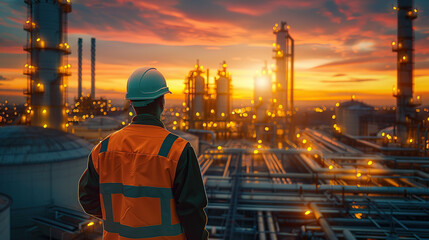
(136, 168)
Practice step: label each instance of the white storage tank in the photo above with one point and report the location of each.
(222, 99)
(5, 202)
(349, 117)
(199, 97)
(40, 168)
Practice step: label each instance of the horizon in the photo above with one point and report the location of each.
(342, 48)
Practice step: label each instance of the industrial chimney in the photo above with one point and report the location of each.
(93, 68)
(79, 68)
(47, 67)
(404, 48)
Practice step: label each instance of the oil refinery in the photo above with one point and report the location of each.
(271, 169)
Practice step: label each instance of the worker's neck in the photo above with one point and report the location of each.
(155, 113)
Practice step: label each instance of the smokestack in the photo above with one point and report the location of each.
(404, 48)
(79, 68)
(93, 67)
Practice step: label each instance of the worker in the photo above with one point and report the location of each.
(143, 181)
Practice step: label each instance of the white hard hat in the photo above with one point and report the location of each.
(145, 85)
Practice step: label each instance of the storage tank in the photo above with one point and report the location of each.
(349, 117)
(199, 96)
(40, 168)
(5, 202)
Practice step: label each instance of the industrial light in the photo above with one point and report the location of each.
(255, 151)
(130, 113)
(298, 135)
(370, 162)
(44, 111)
(309, 149)
(337, 104)
(358, 174)
(259, 146)
(267, 129)
(307, 212)
(331, 167)
(304, 141)
(333, 117)
(90, 223)
(259, 141)
(219, 147)
(45, 126)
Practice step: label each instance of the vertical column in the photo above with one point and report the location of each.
(79, 68)
(404, 97)
(93, 68)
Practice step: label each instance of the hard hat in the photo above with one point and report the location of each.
(145, 85)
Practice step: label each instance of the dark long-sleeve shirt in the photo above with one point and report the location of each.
(188, 189)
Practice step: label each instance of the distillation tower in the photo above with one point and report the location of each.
(405, 113)
(47, 66)
(284, 83)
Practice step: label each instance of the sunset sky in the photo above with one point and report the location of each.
(343, 47)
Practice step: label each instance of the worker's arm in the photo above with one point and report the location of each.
(190, 195)
(89, 190)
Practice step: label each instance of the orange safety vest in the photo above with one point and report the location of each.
(136, 168)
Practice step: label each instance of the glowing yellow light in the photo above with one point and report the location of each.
(90, 223)
(130, 113)
(259, 146)
(415, 10)
(255, 151)
(197, 114)
(309, 149)
(27, 21)
(298, 135)
(38, 39)
(353, 97)
(304, 141)
(307, 212)
(267, 129)
(222, 114)
(67, 125)
(370, 162)
(383, 134)
(259, 141)
(123, 123)
(212, 111)
(254, 116)
(219, 147)
(174, 122)
(358, 174)
(337, 104)
(331, 167)
(177, 114)
(333, 116)
(45, 126)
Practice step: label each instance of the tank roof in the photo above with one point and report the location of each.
(102, 122)
(30, 145)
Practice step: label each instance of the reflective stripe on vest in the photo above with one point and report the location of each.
(164, 194)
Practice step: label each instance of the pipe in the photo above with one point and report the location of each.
(273, 234)
(212, 134)
(323, 187)
(348, 235)
(261, 226)
(323, 223)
